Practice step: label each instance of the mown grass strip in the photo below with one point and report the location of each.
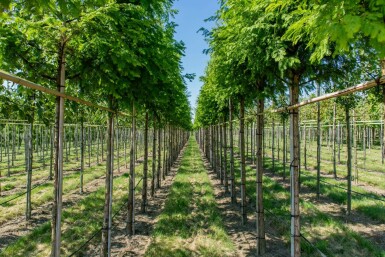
(190, 224)
(330, 235)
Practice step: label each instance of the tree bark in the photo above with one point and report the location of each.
(145, 167)
(153, 159)
(284, 148)
(232, 175)
(225, 175)
(58, 158)
(243, 161)
(318, 143)
(334, 140)
(261, 242)
(29, 153)
(349, 161)
(131, 193)
(107, 217)
(82, 143)
(294, 169)
(158, 172)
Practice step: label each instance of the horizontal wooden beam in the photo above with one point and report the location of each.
(346, 91)
(29, 84)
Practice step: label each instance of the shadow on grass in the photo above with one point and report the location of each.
(190, 223)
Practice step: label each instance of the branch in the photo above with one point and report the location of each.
(33, 66)
(281, 79)
(306, 82)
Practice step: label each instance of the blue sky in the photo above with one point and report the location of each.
(190, 19)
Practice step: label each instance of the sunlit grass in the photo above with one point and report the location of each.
(190, 224)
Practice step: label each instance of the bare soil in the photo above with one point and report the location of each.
(244, 236)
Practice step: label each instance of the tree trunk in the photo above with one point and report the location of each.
(153, 159)
(82, 145)
(218, 156)
(164, 154)
(294, 169)
(107, 217)
(225, 157)
(261, 242)
(131, 193)
(232, 175)
(318, 143)
(243, 163)
(354, 132)
(158, 172)
(52, 140)
(29, 153)
(273, 145)
(220, 127)
(58, 159)
(304, 146)
(334, 140)
(284, 147)
(145, 167)
(349, 161)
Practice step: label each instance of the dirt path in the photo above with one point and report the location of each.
(244, 236)
(124, 245)
(13, 229)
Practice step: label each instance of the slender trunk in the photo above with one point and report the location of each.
(164, 154)
(243, 167)
(225, 157)
(339, 142)
(273, 145)
(52, 140)
(354, 132)
(261, 242)
(58, 159)
(82, 143)
(117, 145)
(284, 148)
(29, 154)
(220, 127)
(294, 169)
(334, 140)
(304, 146)
(145, 166)
(218, 158)
(89, 146)
(107, 220)
(158, 172)
(318, 143)
(349, 161)
(232, 175)
(212, 149)
(153, 159)
(383, 114)
(8, 151)
(364, 145)
(131, 193)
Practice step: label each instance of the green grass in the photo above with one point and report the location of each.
(43, 193)
(329, 234)
(190, 224)
(80, 222)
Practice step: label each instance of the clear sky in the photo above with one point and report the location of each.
(190, 19)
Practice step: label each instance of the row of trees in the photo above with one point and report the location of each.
(119, 54)
(268, 52)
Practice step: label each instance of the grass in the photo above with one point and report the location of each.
(80, 222)
(329, 234)
(190, 224)
(43, 193)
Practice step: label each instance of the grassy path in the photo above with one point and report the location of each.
(191, 224)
